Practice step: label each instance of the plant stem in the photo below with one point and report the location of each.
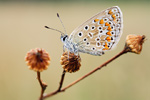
(43, 86)
(61, 81)
(104, 64)
(91, 72)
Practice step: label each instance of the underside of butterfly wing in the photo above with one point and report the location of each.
(100, 33)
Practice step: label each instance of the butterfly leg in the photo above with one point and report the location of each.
(63, 48)
(78, 56)
(68, 54)
(67, 51)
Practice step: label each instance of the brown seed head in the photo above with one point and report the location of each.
(70, 62)
(37, 59)
(134, 43)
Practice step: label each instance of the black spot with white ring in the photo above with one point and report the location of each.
(93, 48)
(112, 38)
(112, 27)
(93, 27)
(80, 34)
(117, 15)
(86, 27)
(112, 32)
(101, 31)
(85, 39)
(110, 22)
(87, 43)
(97, 39)
(100, 28)
(98, 44)
(105, 19)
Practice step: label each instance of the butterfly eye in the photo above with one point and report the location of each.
(64, 38)
(80, 34)
(86, 27)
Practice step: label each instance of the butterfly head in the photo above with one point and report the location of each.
(68, 44)
(64, 37)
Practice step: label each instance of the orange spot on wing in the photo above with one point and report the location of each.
(106, 46)
(109, 28)
(114, 17)
(108, 33)
(96, 20)
(108, 39)
(106, 24)
(101, 21)
(104, 49)
(110, 12)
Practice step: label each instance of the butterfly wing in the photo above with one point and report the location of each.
(100, 33)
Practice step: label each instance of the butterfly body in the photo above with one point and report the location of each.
(97, 35)
(69, 45)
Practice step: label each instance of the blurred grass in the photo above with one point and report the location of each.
(22, 28)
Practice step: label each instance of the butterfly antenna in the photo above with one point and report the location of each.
(61, 23)
(54, 29)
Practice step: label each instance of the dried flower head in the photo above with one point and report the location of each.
(70, 62)
(134, 43)
(37, 59)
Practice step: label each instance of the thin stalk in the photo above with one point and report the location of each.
(43, 86)
(86, 75)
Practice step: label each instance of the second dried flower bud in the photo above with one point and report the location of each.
(70, 62)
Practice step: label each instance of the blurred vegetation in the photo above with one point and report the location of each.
(88, 1)
(22, 28)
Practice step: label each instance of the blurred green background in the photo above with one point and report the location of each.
(22, 28)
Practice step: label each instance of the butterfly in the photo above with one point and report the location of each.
(98, 34)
